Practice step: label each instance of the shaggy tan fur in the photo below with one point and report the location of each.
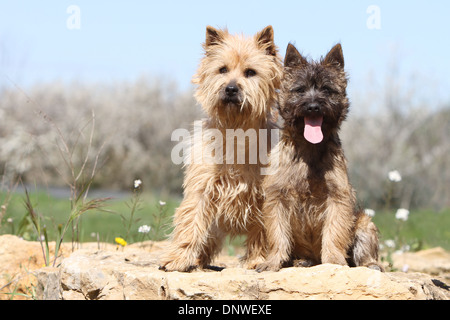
(237, 82)
(310, 211)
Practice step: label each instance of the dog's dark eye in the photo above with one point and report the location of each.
(300, 89)
(328, 90)
(223, 70)
(249, 73)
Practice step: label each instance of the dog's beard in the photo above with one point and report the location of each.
(234, 103)
(235, 111)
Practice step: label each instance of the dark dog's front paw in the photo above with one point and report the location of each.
(304, 263)
(375, 266)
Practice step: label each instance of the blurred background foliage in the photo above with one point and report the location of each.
(131, 125)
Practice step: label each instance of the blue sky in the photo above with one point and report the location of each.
(122, 40)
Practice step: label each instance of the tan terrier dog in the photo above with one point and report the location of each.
(310, 209)
(237, 80)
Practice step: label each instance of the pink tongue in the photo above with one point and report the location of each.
(313, 131)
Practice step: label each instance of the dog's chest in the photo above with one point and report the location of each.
(238, 200)
(312, 192)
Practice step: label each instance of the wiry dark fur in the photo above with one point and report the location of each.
(310, 211)
(323, 82)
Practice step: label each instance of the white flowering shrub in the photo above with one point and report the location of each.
(391, 131)
(134, 121)
(131, 126)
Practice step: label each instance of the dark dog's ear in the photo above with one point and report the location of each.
(213, 36)
(335, 56)
(265, 41)
(293, 58)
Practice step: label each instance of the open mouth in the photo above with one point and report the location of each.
(313, 129)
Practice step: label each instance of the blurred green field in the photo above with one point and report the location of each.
(110, 222)
(423, 229)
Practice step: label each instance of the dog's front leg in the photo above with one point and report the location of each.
(277, 221)
(192, 226)
(256, 246)
(337, 232)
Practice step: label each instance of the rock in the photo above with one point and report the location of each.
(100, 271)
(49, 283)
(435, 261)
(133, 274)
(20, 258)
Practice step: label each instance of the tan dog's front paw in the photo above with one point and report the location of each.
(268, 266)
(176, 265)
(252, 263)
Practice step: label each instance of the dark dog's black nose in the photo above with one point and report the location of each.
(313, 107)
(231, 89)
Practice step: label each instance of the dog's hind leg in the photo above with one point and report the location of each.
(364, 251)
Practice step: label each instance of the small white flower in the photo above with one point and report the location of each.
(162, 203)
(406, 248)
(395, 176)
(402, 214)
(369, 212)
(137, 183)
(390, 243)
(144, 229)
(9, 220)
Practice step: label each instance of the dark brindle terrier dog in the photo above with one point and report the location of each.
(310, 210)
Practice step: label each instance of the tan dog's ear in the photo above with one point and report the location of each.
(265, 41)
(213, 36)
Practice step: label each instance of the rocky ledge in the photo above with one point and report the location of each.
(133, 274)
(105, 272)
